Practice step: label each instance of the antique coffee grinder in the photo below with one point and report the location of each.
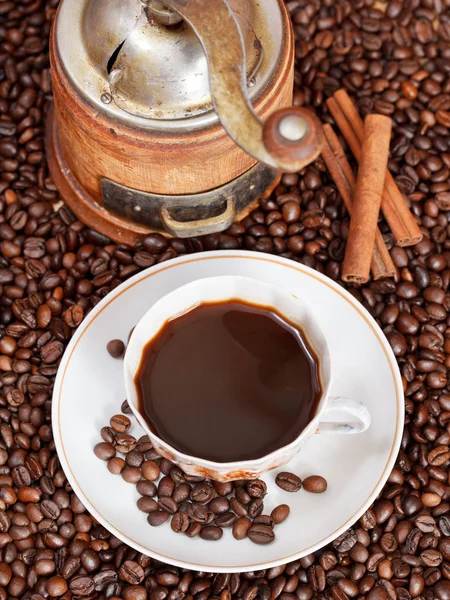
(173, 116)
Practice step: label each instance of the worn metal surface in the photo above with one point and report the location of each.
(162, 72)
(162, 13)
(161, 80)
(196, 214)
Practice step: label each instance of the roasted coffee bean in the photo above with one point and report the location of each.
(150, 470)
(131, 474)
(211, 533)
(168, 504)
(315, 484)
(134, 459)
(219, 505)
(223, 488)
(56, 586)
(193, 530)
(264, 520)
(261, 534)
(166, 487)
(120, 423)
(203, 492)
(157, 518)
(225, 519)
(181, 492)
(146, 488)
(147, 504)
(104, 451)
(280, 513)
(125, 408)
(255, 507)
(131, 572)
(288, 481)
(238, 508)
(200, 514)
(241, 527)
(124, 443)
(82, 585)
(179, 522)
(256, 489)
(108, 435)
(116, 348)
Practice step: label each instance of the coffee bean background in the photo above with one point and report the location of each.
(393, 58)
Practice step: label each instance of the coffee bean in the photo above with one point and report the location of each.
(108, 435)
(261, 534)
(280, 513)
(202, 492)
(288, 481)
(146, 488)
(179, 522)
(134, 458)
(104, 451)
(82, 585)
(255, 508)
(264, 520)
(238, 507)
(147, 504)
(125, 408)
(166, 487)
(157, 518)
(155, 243)
(124, 443)
(131, 474)
(56, 586)
(193, 530)
(131, 572)
(315, 484)
(200, 514)
(256, 489)
(219, 505)
(116, 348)
(223, 488)
(225, 519)
(242, 495)
(120, 423)
(168, 504)
(181, 492)
(241, 527)
(211, 533)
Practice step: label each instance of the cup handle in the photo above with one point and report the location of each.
(355, 411)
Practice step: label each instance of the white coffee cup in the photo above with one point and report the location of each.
(354, 416)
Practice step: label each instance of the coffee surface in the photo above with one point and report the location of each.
(228, 382)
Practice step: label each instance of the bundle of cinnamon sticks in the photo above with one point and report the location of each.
(373, 189)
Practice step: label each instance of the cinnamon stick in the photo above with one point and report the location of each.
(400, 220)
(334, 156)
(367, 201)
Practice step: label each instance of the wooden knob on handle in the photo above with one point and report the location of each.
(293, 136)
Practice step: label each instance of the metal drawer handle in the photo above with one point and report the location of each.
(184, 229)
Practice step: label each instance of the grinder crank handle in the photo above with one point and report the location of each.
(291, 138)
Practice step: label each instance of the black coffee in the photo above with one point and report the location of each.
(228, 382)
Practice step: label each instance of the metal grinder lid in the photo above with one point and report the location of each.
(121, 59)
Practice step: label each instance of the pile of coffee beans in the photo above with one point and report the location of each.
(393, 58)
(194, 505)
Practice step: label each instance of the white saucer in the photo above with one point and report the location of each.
(89, 389)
